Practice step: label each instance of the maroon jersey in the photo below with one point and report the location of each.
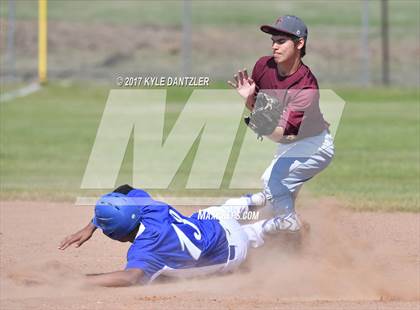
(298, 92)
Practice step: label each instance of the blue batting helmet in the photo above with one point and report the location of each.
(117, 215)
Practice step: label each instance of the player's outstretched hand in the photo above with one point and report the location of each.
(243, 84)
(78, 238)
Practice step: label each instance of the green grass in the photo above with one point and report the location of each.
(46, 139)
(321, 12)
(377, 152)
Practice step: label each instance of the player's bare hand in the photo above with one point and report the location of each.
(78, 238)
(243, 84)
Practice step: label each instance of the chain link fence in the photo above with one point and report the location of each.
(99, 40)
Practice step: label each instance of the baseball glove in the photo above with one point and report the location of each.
(265, 116)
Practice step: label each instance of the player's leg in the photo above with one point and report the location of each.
(286, 177)
(239, 237)
(238, 243)
(228, 215)
(261, 199)
(234, 208)
(254, 233)
(282, 198)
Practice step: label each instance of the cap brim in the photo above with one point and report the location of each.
(275, 31)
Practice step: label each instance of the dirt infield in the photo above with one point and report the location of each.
(348, 261)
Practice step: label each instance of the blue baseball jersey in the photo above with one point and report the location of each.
(171, 244)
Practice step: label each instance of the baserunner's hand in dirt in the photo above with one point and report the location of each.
(243, 84)
(78, 238)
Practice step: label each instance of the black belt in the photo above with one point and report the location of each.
(231, 252)
(231, 247)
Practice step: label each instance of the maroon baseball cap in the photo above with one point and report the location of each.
(288, 24)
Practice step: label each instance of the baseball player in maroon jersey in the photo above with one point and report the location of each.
(305, 146)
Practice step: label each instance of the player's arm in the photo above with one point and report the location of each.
(126, 277)
(292, 117)
(250, 102)
(79, 237)
(277, 134)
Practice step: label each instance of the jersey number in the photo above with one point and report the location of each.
(194, 251)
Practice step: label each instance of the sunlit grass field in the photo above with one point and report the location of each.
(46, 139)
(377, 151)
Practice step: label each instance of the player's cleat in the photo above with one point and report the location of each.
(290, 223)
(257, 200)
